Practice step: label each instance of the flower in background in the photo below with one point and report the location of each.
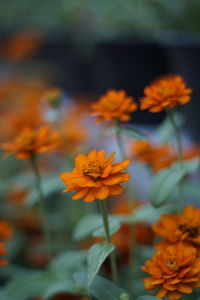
(95, 176)
(3, 252)
(6, 230)
(17, 196)
(114, 105)
(180, 227)
(166, 92)
(173, 271)
(30, 142)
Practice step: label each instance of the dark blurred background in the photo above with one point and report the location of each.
(87, 47)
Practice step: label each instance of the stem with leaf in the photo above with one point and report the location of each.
(36, 172)
(102, 204)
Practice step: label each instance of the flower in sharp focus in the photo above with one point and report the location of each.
(95, 176)
(180, 227)
(6, 230)
(3, 252)
(31, 141)
(166, 92)
(173, 271)
(114, 105)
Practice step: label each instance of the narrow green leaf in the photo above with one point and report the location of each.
(114, 225)
(96, 256)
(133, 133)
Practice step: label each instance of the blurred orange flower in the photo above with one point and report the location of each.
(18, 196)
(114, 105)
(180, 227)
(3, 252)
(165, 92)
(173, 271)
(30, 142)
(6, 230)
(95, 177)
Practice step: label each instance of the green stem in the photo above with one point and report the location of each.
(119, 139)
(41, 201)
(180, 151)
(102, 204)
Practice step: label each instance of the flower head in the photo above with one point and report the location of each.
(30, 142)
(114, 105)
(95, 176)
(6, 230)
(173, 271)
(3, 252)
(180, 227)
(166, 92)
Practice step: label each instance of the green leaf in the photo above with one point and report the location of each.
(86, 226)
(147, 297)
(166, 180)
(68, 262)
(132, 133)
(114, 226)
(62, 285)
(27, 286)
(96, 256)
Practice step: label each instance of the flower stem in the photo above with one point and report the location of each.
(41, 201)
(180, 150)
(102, 204)
(119, 139)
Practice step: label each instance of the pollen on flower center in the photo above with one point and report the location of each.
(93, 169)
(172, 264)
(191, 230)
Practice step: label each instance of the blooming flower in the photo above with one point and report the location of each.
(95, 177)
(180, 227)
(165, 92)
(173, 271)
(30, 142)
(3, 252)
(6, 230)
(114, 105)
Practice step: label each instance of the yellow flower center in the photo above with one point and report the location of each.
(172, 264)
(110, 104)
(93, 169)
(192, 231)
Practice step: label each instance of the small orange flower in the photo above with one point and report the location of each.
(165, 92)
(30, 142)
(173, 271)
(95, 177)
(3, 252)
(114, 105)
(180, 227)
(6, 230)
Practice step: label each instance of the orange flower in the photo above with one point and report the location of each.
(30, 142)
(3, 252)
(114, 105)
(165, 92)
(180, 227)
(6, 231)
(95, 177)
(173, 271)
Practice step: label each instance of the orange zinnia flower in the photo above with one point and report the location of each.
(95, 177)
(180, 227)
(6, 230)
(165, 92)
(114, 105)
(30, 142)
(3, 252)
(173, 271)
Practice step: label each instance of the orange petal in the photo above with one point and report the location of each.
(112, 179)
(89, 196)
(120, 166)
(161, 293)
(115, 189)
(102, 192)
(80, 194)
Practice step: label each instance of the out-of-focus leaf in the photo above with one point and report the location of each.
(165, 130)
(166, 180)
(15, 244)
(114, 226)
(68, 262)
(147, 297)
(96, 256)
(133, 133)
(86, 226)
(27, 286)
(58, 286)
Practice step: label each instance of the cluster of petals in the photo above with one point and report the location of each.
(173, 270)
(32, 141)
(6, 230)
(95, 176)
(114, 105)
(166, 92)
(184, 227)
